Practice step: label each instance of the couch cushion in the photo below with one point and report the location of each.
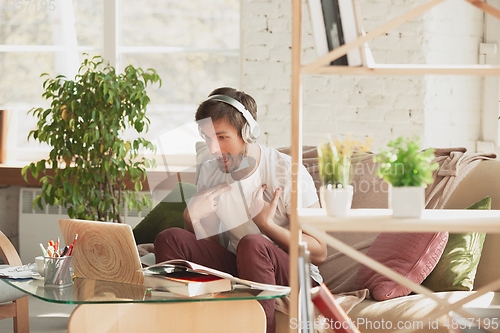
(167, 214)
(414, 255)
(457, 267)
(370, 191)
(339, 270)
(412, 310)
(7, 292)
(482, 181)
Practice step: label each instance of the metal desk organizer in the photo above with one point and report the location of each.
(58, 272)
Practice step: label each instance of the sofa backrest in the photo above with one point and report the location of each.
(369, 190)
(372, 192)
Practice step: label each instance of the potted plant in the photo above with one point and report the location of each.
(409, 171)
(91, 164)
(336, 162)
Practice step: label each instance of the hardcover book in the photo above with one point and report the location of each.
(333, 27)
(179, 265)
(335, 23)
(327, 28)
(327, 305)
(187, 283)
(351, 28)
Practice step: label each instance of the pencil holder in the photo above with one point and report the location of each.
(58, 272)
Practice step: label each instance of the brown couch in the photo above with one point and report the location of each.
(339, 271)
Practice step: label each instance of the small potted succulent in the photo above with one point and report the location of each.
(409, 170)
(336, 162)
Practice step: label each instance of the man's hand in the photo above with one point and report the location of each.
(261, 211)
(203, 203)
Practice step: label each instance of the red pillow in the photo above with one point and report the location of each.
(413, 255)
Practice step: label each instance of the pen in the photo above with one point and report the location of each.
(65, 251)
(44, 252)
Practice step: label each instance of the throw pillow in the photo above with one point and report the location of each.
(167, 214)
(414, 255)
(457, 267)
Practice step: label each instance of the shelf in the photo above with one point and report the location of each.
(12, 176)
(428, 219)
(321, 65)
(315, 221)
(404, 69)
(381, 220)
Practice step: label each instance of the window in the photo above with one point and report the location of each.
(194, 46)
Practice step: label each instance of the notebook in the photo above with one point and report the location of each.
(103, 251)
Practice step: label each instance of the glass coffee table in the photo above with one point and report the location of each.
(118, 307)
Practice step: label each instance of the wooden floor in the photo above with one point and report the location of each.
(44, 317)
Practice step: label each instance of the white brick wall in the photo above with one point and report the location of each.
(454, 32)
(444, 111)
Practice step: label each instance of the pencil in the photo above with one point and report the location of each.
(73, 246)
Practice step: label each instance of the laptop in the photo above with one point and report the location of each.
(103, 251)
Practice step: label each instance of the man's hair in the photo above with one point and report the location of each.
(218, 110)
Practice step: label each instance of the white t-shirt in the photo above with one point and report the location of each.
(274, 170)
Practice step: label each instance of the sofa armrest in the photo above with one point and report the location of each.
(482, 181)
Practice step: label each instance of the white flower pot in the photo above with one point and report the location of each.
(407, 201)
(337, 201)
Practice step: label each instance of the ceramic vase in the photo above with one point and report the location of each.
(407, 201)
(337, 201)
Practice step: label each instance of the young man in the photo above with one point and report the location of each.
(245, 192)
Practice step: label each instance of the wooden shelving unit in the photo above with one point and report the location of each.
(315, 222)
(397, 69)
(381, 220)
(315, 219)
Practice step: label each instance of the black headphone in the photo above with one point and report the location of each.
(251, 130)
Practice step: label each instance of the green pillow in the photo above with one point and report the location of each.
(167, 214)
(457, 267)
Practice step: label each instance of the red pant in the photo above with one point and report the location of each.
(257, 259)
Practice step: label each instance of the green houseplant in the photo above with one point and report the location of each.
(336, 162)
(91, 164)
(409, 170)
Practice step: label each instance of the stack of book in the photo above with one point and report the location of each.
(186, 278)
(186, 282)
